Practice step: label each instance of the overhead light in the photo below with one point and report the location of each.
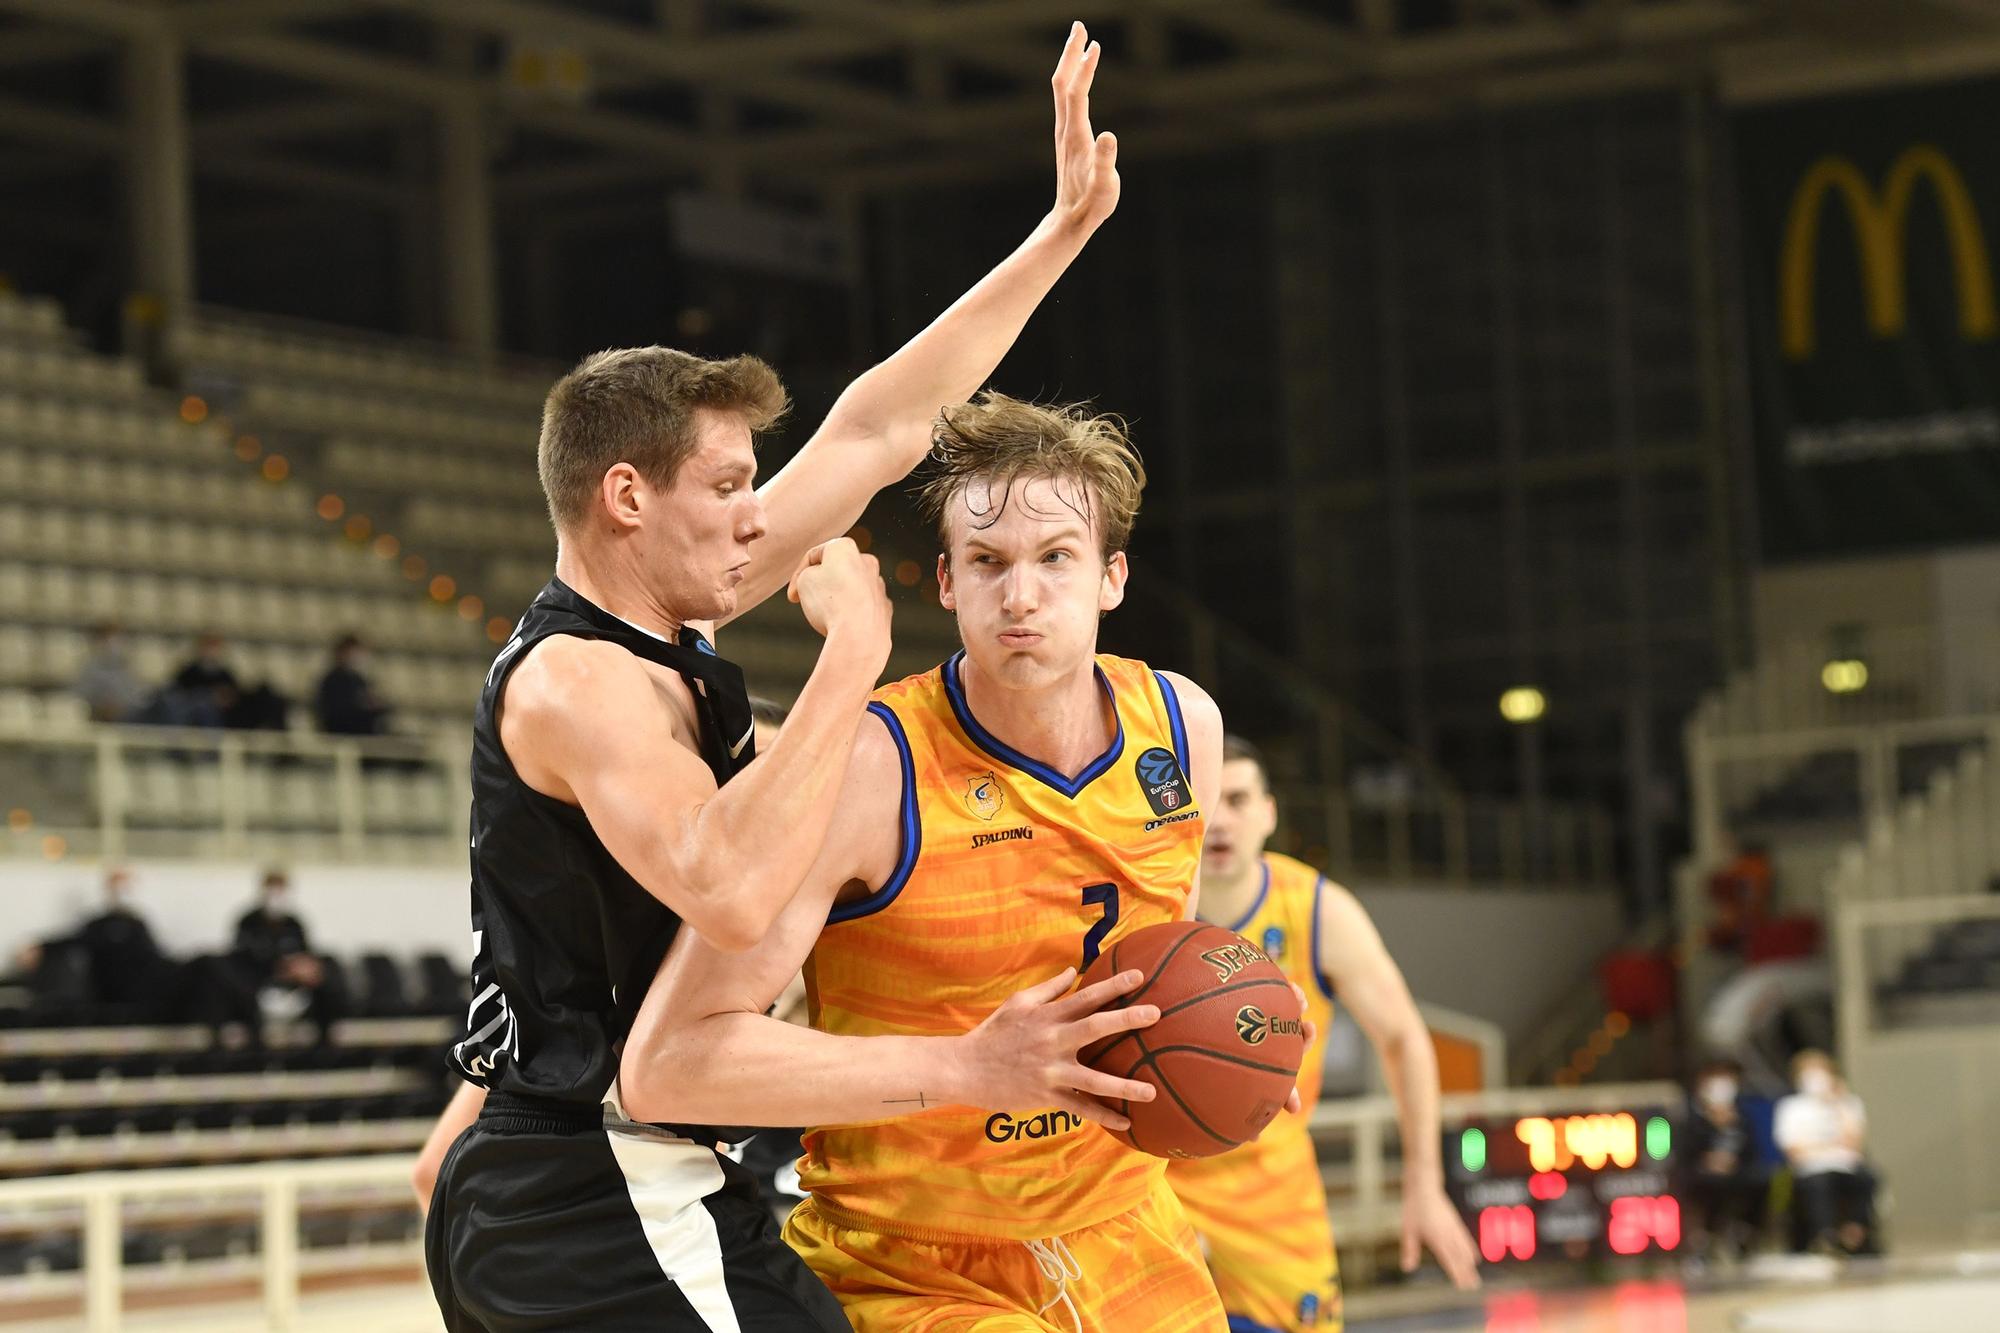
(1523, 704)
(1844, 675)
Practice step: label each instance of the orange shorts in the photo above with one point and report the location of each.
(1142, 1270)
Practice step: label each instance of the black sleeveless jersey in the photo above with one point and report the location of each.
(565, 942)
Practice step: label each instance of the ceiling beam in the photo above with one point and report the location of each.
(190, 17)
(323, 63)
(750, 63)
(305, 119)
(73, 129)
(114, 18)
(301, 178)
(47, 46)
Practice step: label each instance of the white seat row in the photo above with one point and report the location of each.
(343, 411)
(163, 789)
(186, 546)
(59, 595)
(397, 366)
(484, 527)
(59, 371)
(148, 488)
(31, 314)
(37, 710)
(410, 467)
(138, 429)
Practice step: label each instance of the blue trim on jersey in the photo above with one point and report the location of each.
(1263, 892)
(1241, 1323)
(1325, 986)
(911, 832)
(1179, 727)
(1006, 754)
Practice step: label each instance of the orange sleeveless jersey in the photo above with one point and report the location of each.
(1008, 873)
(1269, 1189)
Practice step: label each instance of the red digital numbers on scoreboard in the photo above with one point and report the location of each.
(1506, 1232)
(1641, 1221)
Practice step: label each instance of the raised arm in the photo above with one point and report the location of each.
(585, 722)
(1353, 957)
(880, 428)
(702, 1050)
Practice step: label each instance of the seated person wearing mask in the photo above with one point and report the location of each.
(1820, 1129)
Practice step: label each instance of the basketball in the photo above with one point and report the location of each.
(1226, 1051)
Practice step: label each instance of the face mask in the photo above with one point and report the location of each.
(1816, 1083)
(1718, 1091)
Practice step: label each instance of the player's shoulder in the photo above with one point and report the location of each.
(914, 695)
(558, 672)
(1288, 872)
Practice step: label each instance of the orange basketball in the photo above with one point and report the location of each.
(1225, 1054)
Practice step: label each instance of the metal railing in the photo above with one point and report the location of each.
(228, 793)
(278, 1186)
(1357, 1139)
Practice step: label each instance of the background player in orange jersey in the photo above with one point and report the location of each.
(1261, 1210)
(995, 831)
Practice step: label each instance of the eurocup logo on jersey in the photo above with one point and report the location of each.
(1161, 779)
(983, 796)
(1274, 942)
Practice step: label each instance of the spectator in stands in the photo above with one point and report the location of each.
(206, 693)
(273, 953)
(1727, 1185)
(1820, 1128)
(346, 704)
(205, 690)
(106, 682)
(113, 959)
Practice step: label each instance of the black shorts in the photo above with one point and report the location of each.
(545, 1219)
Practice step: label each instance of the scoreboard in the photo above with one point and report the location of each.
(1566, 1186)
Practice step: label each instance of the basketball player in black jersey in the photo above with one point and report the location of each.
(614, 799)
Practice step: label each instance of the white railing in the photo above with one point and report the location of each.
(1726, 768)
(1365, 1206)
(1907, 672)
(231, 793)
(277, 1184)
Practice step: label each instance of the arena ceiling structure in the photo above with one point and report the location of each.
(844, 94)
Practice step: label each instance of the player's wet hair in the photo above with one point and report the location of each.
(998, 440)
(637, 405)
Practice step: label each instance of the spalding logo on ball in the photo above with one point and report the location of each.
(1226, 1051)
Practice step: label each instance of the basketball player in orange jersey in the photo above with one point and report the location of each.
(1261, 1209)
(1004, 818)
(749, 543)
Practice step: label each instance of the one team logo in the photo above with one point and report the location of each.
(1253, 1025)
(983, 796)
(1161, 778)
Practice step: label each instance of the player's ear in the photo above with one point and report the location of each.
(622, 493)
(946, 597)
(1111, 591)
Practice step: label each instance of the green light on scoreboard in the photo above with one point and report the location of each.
(1472, 1149)
(1659, 1138)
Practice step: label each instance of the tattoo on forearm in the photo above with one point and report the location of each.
(916, 1101)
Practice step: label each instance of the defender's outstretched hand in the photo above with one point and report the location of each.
(1086, 163)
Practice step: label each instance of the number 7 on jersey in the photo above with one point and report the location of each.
(1105, 896)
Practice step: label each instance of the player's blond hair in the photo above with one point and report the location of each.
(637, 405)
(1000, 440)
